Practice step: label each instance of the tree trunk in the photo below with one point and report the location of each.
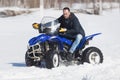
(70, 3)
(119, 4)
(111, 4)
(41, 7)
(60, 2)
(93, 4)
(100, 6)
(56, 4)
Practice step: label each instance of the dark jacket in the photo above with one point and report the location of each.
(72, 25)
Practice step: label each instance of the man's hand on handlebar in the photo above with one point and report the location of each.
(62, 30)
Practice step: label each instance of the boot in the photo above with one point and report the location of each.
(70, 56)
(63, 55)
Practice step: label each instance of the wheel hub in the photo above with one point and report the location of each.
(55, 60)
(94, 58)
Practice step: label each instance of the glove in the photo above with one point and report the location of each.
(63, 30)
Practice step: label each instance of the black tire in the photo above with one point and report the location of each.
(29, 62)
(88, 52)
(50, 56)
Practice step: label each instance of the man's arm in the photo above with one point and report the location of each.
(76, 27)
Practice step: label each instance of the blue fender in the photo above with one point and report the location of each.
(40, 38)
(90, 37)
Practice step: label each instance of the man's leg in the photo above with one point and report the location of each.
(75, 43)
(73, 47)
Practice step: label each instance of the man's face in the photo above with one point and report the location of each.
(66, 14)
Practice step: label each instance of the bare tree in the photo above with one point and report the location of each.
(111, 4)
(119, 4)
(59, 2)
(56, 3)
(100, 6)
(87, 2)
(71, 2)
(41, 7)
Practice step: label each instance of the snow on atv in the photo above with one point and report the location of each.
(48, 49)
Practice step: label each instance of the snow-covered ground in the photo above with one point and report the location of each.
(16, 31)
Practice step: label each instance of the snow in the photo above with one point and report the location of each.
(16, 31)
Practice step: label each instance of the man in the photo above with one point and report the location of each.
(73, 30)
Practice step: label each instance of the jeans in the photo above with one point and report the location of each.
(75, 43)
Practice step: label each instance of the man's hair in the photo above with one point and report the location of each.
(66, 8)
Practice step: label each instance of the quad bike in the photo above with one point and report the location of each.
(49, 49)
